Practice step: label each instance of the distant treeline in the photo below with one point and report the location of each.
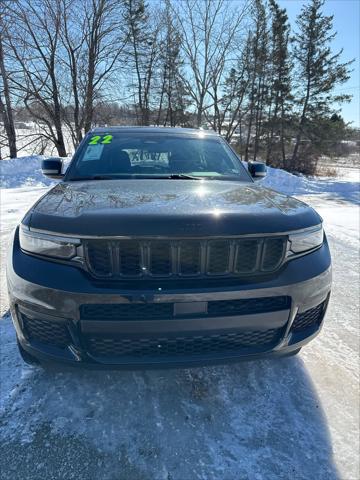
(235, 67)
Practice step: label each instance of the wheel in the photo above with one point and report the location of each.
(29, 359)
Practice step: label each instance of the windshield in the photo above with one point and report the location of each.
(149, 155)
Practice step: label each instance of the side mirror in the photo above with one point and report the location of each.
(52, 167)
(257, 170)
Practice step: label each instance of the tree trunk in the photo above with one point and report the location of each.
(252, 101)
(273, 120)
(199, 113)
(282, 140)
(301, 125)
(6, 109)
(258, 117)
(60, 143)
(89, 97)
(297, 144)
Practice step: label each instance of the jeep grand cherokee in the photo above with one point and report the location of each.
(158, 248)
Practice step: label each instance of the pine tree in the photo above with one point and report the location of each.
(280, 90)
(318, 69)
(173, 98)
(142, 52)
(258, 73)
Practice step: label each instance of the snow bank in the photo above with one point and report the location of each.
(26, 171)
(289, 184)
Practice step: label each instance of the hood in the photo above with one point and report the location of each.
(167, 207)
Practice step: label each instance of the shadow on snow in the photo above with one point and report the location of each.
(250, 420)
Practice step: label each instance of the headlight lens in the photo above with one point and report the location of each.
(48, 245)
(304, 241)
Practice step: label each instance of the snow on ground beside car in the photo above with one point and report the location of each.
(24, 171)
(295, 418)
(343, 188)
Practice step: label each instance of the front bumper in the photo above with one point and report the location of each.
(47, 296)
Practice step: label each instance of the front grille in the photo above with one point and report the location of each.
(183, 258)
(159, 311)
(308, 318)
(184, 345)
(44, 331)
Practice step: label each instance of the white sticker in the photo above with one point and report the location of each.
(93, 152)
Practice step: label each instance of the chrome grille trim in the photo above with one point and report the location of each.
(175, 257)
(164, 237)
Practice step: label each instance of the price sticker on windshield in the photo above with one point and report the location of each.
(100, 140)
(93, 152)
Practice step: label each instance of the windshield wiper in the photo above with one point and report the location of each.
(173, 176)
(98, 177)
(181, 176)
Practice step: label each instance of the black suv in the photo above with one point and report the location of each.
(157, 248)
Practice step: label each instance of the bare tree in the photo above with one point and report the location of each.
(209, 29)
(93, 38)
(229, 98)
(6, 110)
(105, 40)
(142, 53)
(35, 43)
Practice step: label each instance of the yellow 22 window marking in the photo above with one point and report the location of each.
(106, 139)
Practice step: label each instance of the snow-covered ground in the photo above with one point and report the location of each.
(295, 418)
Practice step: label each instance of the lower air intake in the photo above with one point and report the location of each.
(48, 332)
(185, 345)
(308, 318)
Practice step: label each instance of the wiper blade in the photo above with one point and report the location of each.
(96, 177)
(182, 176)
(173, 176)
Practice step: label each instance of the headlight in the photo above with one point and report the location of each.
(48, 245)
(304, 241)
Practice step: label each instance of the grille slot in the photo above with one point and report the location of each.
(180, 257)
(190, 258)
(248, 306)
(246, 256)
(127, 311)
(184, 345)
(273, 253)
(218, 257)
(129, 257)
(160, 258)
(310, 317)
(158, 311)
(99, 258)
(51, 333)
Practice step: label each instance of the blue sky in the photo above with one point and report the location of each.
(347, 24)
